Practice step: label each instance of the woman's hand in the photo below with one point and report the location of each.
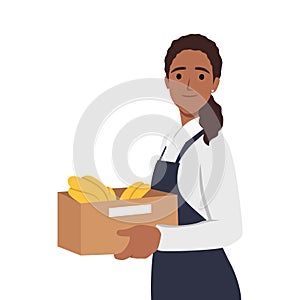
(144, 240)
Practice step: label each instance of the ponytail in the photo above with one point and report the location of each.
(211, 119)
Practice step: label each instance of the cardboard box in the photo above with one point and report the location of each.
(91, 228)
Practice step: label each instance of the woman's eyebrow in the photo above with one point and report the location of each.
(178, 68)
(202, 69)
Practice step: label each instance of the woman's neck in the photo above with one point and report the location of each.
(186, 117)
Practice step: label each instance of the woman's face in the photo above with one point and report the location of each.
(191, 81)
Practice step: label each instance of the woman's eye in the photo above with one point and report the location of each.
(178, 76)
(201, 76)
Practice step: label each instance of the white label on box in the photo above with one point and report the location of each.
(130, 210)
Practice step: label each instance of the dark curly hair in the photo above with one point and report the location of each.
(211, 118)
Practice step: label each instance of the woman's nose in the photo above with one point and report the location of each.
(188, 85)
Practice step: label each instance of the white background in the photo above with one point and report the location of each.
(58, 56)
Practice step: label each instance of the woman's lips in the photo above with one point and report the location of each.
(193, 95)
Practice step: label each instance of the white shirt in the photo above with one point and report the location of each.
(206, 179)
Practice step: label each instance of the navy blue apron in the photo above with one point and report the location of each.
(201, 274)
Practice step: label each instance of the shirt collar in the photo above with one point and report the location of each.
(190, 128)
(180, 134)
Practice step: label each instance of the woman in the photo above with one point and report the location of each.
(188, 260)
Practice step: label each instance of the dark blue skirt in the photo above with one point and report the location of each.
(205, 274)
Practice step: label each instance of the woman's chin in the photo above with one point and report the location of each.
(188, 112)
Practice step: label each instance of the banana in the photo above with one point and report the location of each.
(130, 190)
(141, 191)
(82, 197)
(109, 194)
(89, 189)
(112, 192)
(86, 186)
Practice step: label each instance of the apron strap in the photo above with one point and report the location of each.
(163, 153)
(188, 144)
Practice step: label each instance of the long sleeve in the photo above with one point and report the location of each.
(216, 197)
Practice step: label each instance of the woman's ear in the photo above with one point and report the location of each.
(167, 82)
(216, 84)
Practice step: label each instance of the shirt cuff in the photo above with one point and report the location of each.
(168, 233)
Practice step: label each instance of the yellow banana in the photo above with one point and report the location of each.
(90, 189)
(141, 191)
(109, 194)
(87, 186)
(82, 197)
(112, 192)
(130, 190)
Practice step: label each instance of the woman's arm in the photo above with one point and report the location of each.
(223, 225)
